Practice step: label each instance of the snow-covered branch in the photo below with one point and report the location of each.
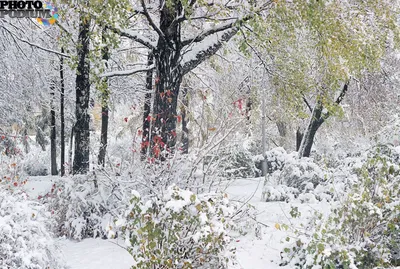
(35, 45)
(124, 73)
(219, 28)
(201, 54)
(134, 36)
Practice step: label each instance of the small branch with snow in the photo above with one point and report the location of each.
(214, 30)
(134, 36)
(124, 73)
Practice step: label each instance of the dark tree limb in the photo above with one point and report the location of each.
(308, 104)
(151, 21)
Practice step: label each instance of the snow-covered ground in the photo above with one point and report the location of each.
(252, 252)
(95, 254)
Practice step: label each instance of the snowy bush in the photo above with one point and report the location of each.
(36, 162)
(237, 161)
(279, 193)
(287, 169)
(179, 230)
(80, 209)
(362, 232)
(25, 242)
(290, 177)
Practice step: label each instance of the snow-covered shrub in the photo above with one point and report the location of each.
(287, 169)
(25, 242)
(179, 230)
(362, 231)
(36, 162)
(279, 193)
(237, 161)
(290, 177)
(80, 209)
(276, 159)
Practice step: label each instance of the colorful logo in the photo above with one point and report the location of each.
(54, 15)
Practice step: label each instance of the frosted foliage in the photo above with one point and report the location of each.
(180, 230)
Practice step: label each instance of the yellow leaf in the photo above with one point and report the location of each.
(277, 226)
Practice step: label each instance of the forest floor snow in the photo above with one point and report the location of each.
(253, 252)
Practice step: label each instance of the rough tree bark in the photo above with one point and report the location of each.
(168, 79)
(316, 120)
(105, 96)
(81, 128)
(62, 138)
(53, 142)
(147, 108)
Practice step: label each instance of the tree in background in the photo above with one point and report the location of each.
(314, 48)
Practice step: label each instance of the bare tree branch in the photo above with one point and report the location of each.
(308, 104)
(342, 93)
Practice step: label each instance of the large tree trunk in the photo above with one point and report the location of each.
(81, 130)
(53, 144)
(105, 95)
(168, 80)
(316, 121)
(185, 130)
(147, 108)
(62, 114)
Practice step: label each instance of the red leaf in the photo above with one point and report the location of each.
(15, 184)
(144, 144)
(139, 132)
(126, 119)
(156, 151)
(240, 104)
(179, 118)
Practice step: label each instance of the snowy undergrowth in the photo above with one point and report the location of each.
(309, 180)
(362, 229)
(25, 241)
(83, 206)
